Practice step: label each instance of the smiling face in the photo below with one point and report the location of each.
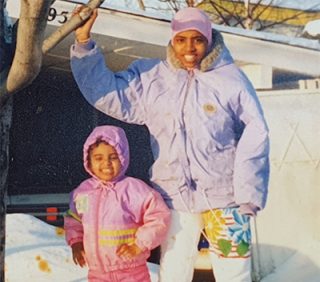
(104, 161)
(190, 47)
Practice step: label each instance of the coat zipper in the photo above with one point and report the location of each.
(187, 172)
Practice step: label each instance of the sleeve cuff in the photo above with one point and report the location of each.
(74, 240)
(141, 246)
(249, 209)
(82, 48)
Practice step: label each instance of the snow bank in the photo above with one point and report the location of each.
(37, 252)
(299, 267)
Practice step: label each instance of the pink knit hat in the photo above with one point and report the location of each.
(191, 19)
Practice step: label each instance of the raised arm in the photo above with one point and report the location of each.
(119, 94)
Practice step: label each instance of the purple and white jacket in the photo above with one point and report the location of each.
(207, 130)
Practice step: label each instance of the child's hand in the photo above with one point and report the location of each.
(78, 254)
(83, 32)
(128, 251)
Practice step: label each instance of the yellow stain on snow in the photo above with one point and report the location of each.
(43, 264)
(60, 231)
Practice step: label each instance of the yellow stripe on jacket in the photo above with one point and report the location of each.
(113, 238)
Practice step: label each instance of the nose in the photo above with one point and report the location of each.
(190, 45)
(107, 162)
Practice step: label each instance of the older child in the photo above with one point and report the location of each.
(114, 220)
(208, 136)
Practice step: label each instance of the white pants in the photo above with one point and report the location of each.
(179, 252)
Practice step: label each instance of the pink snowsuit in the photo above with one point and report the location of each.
(105, 216)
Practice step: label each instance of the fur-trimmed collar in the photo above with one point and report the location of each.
(207, 61)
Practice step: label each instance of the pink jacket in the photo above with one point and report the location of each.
(105, 216)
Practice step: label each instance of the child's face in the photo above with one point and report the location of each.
(104, 162)
(190, 48)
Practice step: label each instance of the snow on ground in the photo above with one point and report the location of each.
(37, 252)
(299, 267)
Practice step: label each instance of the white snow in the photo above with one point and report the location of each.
(313, 28)
(37, 252)
(299, 267)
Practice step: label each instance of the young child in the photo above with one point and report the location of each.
(114, 220)
(208, 136)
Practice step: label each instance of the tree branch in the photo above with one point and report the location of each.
(74, 22)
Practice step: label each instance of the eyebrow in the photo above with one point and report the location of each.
(96, 154)
(111, 155)
(193, 37)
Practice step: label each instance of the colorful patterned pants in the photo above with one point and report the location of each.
(230, 240)
(229, 236)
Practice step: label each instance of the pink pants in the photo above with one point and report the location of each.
(136, 274)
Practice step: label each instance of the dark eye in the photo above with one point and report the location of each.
(114, 158)
(98, 158)
(200, 40)
(179, 40)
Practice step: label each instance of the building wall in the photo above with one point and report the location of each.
(289, 225)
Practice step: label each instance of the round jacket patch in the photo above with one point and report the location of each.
(209, 108)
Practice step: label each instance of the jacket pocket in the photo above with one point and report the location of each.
(214, 191)
(221, 162)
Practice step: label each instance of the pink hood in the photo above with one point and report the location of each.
(114, 136)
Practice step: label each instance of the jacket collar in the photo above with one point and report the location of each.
(207, 62)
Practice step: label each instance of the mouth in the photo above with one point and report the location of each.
(107, 170)
(189, 58)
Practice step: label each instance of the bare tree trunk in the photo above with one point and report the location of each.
(28, 56)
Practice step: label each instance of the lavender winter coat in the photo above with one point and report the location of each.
(105, 216)
(208, 134)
